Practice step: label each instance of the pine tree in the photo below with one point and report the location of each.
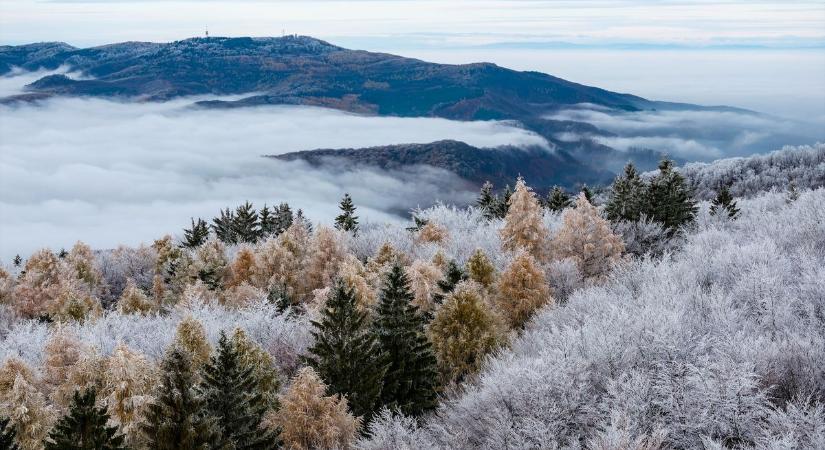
(176, 419)
(7, 434)
(502, 205)
(267, 222)
(669, 201)
(724, 204)
(627, 197)
(557, 199)
(84, 427)
(224, 227)
(523, 225)
(346, 354)
(231, 395)
(452, 276)
(17, 261)
(197, 235)
(418, 223)
(283, 218)
(410, 381)
(347, 220)
(245, 223)
(486, 200)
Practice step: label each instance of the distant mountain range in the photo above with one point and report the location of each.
(300, 70)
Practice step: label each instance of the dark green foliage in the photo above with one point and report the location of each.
(245, 223)
(278, 295)
(197, 235)
(724, 204)
(669, 200)
(84, 427)
(231, 395)
(224, 227)
(7, 434)
(627, 197)
(17, 261)
(283, 218)
(410, 381)
(299, 218)
(557, 199)
(63, 253)
(267, 222)
(347, 220)
(346, 354)
(493, 206)
(453, 275)
(176, 419)
(587, 194)
(486, 199)
(419, 223)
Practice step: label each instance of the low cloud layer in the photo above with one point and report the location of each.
(107, 173)
(690, 135)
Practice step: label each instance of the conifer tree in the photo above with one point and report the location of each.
(502, 205)
(724, 204)
(346, 354)
(410, 382)
(480, 269)
(347, 220)
(267, 222)
(190, 336)
(557, 199)
(669, 201)
(245, 223)
(28, 412)
(792, 193)
(627, 197)
(197, 235)
(418, 224)
(224, 227)
(7, 434)
(283, 218)
(176, 419)
(523, 226)
(486, 200)
(17, 261)
(231, 395)
(452, 276)
(588, 194)
(84, 427)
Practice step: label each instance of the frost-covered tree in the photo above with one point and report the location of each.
(347, 220)
(231, 395)
(210, 264)
(480, 269)
(62, 351)
(196, 235)
(224, 227)
(627, 197)
(587, 239)
(432, 233)
(521, 290)
(309, 419)
(128, 382)
(42, 281)
(523, 224)
(410, 381)
(245, 223)
(83, 265)
(267, 222)
(283, 218)
(7, 435)
(557, 200)
(346, 353)
(250, 354)
(134, 301)
(724, 204)
(176, 418)
(464, 330)
(327, 253)
(424, 279)
(669, 199)
(452, 276)
(28, 412)
(85, 427)
(190, 336)
(355, 276)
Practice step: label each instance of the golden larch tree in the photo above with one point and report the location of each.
(28, 412)
(190, 336)
(480, 269)
(522, 289)
(523, 225)
(129, 380)
(134, 301)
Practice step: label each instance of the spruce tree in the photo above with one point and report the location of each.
(418, 222)
(299, 218)
(346, 354)
(17, 261)
(283, 218)
(224, 227)
(557, 200)
(452, 276)
(724, 204)
(7, 434)
(487, 200)
(84, 427)
(267, 222)
(587, 194)
(231, 395)
(176, 419)
(245, 223)
(410, 382)
(669, 200)
(627, 197)
(502, 204)
(347, 220)
(197, 235)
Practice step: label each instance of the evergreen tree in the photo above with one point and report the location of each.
(299, 218)
(502, 205)
(627, 197)
(84, 427)
(669, 201)
(245, 223)
(224, 227)
(17, 261)
(419, 224)
(792, 194)
(724, 204)
(7, 434)
(176, 420)
(283, 218)
(268, 222)
(347, 220)
(452, 276)
(63, 253)
(487, 200)
(197, 235)
(410, 381)
(587, 194)
(231, 395)
(557, 199)
(346, 354)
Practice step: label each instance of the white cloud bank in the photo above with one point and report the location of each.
(107, 173)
